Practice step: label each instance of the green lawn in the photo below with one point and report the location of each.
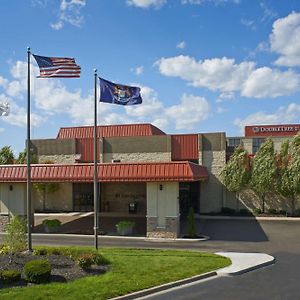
(130, 270)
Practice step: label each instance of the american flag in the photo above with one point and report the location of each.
(59, 67)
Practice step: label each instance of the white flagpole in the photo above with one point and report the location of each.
(95, 166)
(29, 221)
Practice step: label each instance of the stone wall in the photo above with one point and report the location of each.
(4, 220)
(58, 159)
(171, 230)
(137, 157)
(211, 198)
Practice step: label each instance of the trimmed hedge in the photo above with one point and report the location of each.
(10, 276)
(37, 271)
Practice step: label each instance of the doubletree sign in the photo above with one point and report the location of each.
(272, 130)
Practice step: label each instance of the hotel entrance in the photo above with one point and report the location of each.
(189, 196)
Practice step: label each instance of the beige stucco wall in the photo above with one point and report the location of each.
(58, 159)
(211, 192)
(163, 210)
(169, 194)
(115, 197)
(137, 157)
(61, 200)
(13, 201)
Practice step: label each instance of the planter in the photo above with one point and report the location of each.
(125, 231)
(125, 227)
(49, 229)
(51, 226)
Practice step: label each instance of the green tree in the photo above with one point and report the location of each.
(6, 156)
(263, 171)
(45, 188)
(284, 185)
(294, 169)
(22, 158)
(15, 239)
(236, 172)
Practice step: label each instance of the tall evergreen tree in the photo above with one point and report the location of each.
(263, 171)
(236, 172)
(294, 168)
(6, 156)
(284, 185)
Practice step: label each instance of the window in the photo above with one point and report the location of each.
(233, 142)
(256, 144)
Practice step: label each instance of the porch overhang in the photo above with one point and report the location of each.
(108, 172)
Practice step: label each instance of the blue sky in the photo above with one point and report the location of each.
(203, 65)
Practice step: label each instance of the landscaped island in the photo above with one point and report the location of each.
(113, 272)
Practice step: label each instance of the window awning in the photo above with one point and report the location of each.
(112, 172)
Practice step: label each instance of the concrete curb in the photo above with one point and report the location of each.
(203, 217)
(244, 262)
(116, 237)
(166, 286)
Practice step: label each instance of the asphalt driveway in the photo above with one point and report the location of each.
(280, 239)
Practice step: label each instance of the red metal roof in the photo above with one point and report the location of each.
(185, 146)
(112, 172)
(85, 147)
(109, 131)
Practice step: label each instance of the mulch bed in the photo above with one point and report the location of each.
(64, 269)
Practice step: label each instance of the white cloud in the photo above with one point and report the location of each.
(285, 40)
(221, 110)
(138, 70)
(1, 129)
(51, 99)
(268, 13)
(3, 81)
(227, 76)
(248, 23)
(216, 74)
(147, 3)
(70, 12)
(288, 114)
(265, 82)
(191, 111)
(151, 105)
(181, 45)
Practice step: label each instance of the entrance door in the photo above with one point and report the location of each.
(189, 196)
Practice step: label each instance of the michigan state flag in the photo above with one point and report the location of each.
(119, 94)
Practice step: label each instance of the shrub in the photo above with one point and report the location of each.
(244, 212)
(257, 211)
(15, 239)
(272, 211)
(37, 271)
(297, 212)
(283, 212)
(51, 225)
(98, 259)
(85, 260)
(124, 224)
(10, 276)
(40, 251)
(228, 211)
(4, 249)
